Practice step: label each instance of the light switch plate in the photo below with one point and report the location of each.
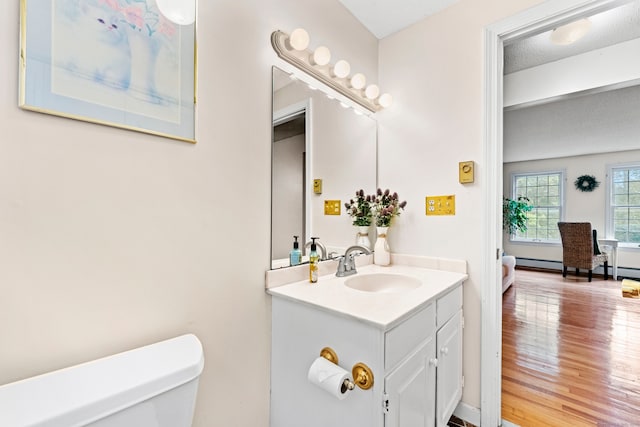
(441, 205)
(465, 170)
(332, 207)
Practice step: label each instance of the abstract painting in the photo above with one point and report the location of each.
(113, 62)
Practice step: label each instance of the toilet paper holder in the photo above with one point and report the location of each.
(362, 374)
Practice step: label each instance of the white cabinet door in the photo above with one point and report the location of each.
(410, 389)
(449, 353)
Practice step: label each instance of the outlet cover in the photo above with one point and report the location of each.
(332, 207)
(441, 205)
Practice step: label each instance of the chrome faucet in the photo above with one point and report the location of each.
(347, 264)
(323, 249)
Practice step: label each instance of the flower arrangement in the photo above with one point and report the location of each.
(386, 206)
(360, 209)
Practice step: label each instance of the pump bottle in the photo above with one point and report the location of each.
(313, 261)
(295, 256)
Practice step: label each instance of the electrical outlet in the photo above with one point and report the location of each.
(441, 205)
(332, 207)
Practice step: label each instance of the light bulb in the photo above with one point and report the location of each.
(372, 91)
(385, 100)
(570, 33)
(341, 69)
(299, 39)
(321, 56)
(181, 12)
(358, 81)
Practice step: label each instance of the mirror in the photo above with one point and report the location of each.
(316, 138)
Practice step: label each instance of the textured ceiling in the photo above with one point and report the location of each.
(607, 28)
(385, 17)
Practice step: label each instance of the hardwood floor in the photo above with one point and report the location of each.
(570, 352)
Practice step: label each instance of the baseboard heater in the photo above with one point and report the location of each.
(623, 272)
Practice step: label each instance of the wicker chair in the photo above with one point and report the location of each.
(580, 248)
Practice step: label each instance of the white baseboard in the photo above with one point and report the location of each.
(471, 415)
(468, 413)
(632, 273)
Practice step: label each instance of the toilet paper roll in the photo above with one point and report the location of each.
(329, 377)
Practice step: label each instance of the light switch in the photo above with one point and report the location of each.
(441, 205)
(332, 207)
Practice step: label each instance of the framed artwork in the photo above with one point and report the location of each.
(113, 62)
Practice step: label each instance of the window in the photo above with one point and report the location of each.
(545, 192)
(624, 207)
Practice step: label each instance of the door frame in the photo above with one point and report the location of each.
(540, 18)
(281, 116)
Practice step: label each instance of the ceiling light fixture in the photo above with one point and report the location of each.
(570, 33)
(181, 12)
(293, 49)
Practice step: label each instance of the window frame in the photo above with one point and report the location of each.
(609, 205)
(562, 192)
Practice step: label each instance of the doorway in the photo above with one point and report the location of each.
(539, 19)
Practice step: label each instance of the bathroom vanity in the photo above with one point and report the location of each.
(404, 322)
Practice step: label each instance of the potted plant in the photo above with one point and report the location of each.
(360, 210)
(386, 206)
(514, 214)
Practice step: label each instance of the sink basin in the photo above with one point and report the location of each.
(382, 283)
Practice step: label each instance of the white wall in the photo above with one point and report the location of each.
(434, 70)
(112, 239)
(579, 206)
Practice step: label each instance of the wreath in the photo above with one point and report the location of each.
(586, 183)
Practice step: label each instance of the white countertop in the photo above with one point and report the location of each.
(383, 310)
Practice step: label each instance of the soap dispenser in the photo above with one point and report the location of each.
(295, 256)
(313, 261)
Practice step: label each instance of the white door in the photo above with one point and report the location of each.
(410, 389)
(449, 385)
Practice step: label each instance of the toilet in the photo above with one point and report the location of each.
(151, 386)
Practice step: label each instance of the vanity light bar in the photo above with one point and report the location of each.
(293, 49)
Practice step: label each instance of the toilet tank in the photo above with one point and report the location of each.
(151, 386)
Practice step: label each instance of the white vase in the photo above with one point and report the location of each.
(362, 236)
(381, 252)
